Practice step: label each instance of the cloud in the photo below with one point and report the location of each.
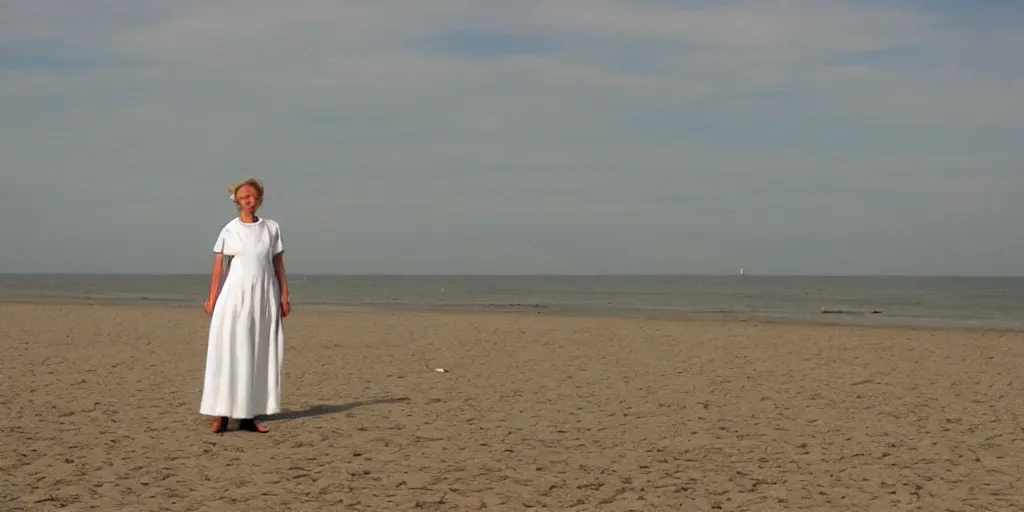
(571, 136)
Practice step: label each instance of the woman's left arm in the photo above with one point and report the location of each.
(282, 282)
(282, 276)
(279, 272)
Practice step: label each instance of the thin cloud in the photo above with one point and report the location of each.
(533, 136)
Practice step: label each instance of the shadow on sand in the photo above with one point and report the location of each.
(323, 410)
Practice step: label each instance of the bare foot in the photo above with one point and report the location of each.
(250, 425)
(220, 425)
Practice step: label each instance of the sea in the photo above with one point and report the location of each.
(948, 302)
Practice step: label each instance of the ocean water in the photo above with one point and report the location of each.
(968, 302)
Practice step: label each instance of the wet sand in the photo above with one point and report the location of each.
(536, 412)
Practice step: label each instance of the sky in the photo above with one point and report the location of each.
(486, 136)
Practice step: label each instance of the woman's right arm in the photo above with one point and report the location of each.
(218, 260)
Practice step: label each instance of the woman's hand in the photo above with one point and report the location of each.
(286, 305)
(208, 305)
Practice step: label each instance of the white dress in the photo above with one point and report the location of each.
(246, 341)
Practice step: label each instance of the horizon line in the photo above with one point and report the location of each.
(542, 274)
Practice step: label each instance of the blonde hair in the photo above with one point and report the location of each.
(255, 183)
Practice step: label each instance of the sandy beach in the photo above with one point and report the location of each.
(536, 412)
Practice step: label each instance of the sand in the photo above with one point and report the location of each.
(536, 412)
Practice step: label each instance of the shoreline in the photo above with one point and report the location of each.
(713, 319)
(951, 304)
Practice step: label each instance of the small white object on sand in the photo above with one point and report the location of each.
(440, 370)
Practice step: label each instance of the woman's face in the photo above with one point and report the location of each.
(247, 198)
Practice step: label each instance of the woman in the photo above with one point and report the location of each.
(246, 340)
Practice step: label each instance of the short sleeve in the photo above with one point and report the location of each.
(218, 246)
(278, 243)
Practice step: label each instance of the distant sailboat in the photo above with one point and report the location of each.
(741, 271)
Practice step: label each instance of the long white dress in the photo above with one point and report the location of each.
(246, 341)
